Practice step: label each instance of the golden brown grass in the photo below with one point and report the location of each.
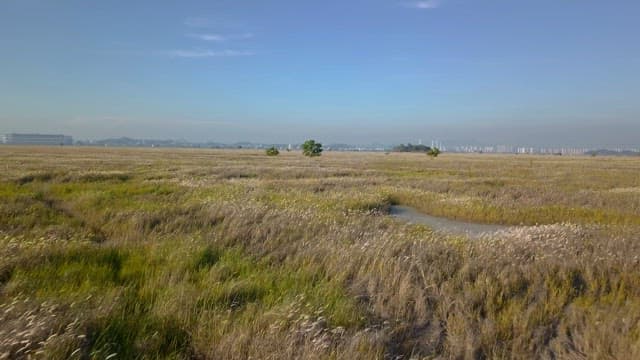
(149, 253)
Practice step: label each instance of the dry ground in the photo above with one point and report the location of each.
(158, 253)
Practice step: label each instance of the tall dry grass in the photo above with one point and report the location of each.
(138, 253)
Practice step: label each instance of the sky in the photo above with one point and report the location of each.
(547, 72)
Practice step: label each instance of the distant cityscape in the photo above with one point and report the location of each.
(66, 140)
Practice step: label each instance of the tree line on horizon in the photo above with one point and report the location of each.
(412, 148)
(433, 152)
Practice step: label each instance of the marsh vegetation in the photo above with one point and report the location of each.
(204, 254)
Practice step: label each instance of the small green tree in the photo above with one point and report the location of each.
(433, 152)
(273, 151)
(311, 148)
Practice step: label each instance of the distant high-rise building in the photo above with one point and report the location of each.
(36, 139)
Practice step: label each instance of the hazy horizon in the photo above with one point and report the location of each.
(547, 73)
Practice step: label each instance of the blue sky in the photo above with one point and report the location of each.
(548, 72)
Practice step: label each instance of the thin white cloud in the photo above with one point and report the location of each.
(424, 4)
(220, 38)
(209, 53)
(208, 37)
(214, 31)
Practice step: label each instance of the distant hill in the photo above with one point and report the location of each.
(604, 152)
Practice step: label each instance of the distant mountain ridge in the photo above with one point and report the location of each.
(605, 152)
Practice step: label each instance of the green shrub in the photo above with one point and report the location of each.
(433, 152)
(311, 148)
(272, 151)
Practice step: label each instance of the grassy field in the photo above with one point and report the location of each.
(158, 253)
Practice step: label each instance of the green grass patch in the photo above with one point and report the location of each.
(69, 274)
